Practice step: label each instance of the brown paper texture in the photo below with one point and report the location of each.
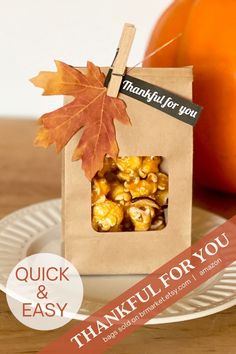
(152, 133)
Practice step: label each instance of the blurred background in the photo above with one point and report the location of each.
(34, 33)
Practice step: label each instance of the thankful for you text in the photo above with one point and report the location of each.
(153, 292)
(165, 102)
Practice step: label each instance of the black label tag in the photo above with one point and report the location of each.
(159, 98)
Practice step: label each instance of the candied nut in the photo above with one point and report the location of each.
(141, 218)
(142, 187)
(100, 188)
(150, 164)
(158, 223)
(118, 193)
(107, 216)
(162, 183)
(141, 213)
(109, 165)
(162, 197)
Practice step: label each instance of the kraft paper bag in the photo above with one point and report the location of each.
(152, 133)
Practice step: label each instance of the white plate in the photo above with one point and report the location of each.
(37, 228)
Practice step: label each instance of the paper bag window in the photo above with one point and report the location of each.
(130, 194)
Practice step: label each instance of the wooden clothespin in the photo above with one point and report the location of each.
(119, 65)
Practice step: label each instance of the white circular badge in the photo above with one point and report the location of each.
(44, 291)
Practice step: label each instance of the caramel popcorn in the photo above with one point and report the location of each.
(118, 193)
(128, 167)
(109, 165)
(100, 189)
(130, 195)
(162, 183)
(129, 163)
(162, 197)
(142, 187)
(107, 216)
(149, 165)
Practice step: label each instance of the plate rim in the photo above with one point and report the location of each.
(6, 220)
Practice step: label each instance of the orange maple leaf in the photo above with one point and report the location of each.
(91, 110)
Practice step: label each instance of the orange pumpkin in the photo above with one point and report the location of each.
(208, 42)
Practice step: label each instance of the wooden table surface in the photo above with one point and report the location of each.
(29, 175)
